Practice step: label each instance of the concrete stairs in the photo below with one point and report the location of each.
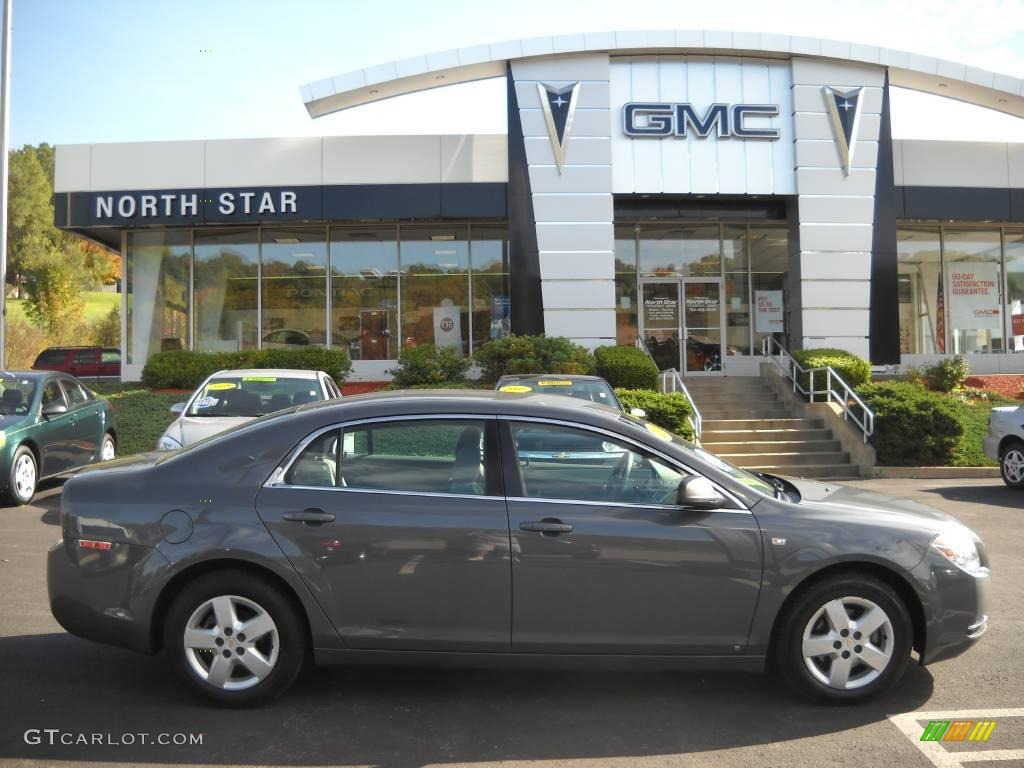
(746, 423)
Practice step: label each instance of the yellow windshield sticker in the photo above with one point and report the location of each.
(219, 385)
(657, 431)
(259, 378)
(515, 388)
(554, 383)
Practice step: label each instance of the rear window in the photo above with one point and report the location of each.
(250, 396)
(110, 356)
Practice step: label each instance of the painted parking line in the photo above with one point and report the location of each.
(910, 724)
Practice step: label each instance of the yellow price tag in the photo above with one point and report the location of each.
(259, 378)
(515, 388)
(657, 431)
(217, 386)
(554, 383)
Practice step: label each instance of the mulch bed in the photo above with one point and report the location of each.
(1009, 385)
(362, 387)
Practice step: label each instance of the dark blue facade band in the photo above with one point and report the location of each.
(524, 256)
(998, 204)
(261, 205)
(884, 321)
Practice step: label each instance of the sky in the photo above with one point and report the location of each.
(88, 71)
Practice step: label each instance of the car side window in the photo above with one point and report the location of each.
(557, 462)
(52, 393)
(84, 357)
(76, 392)
(110, 356)
(317, 465)
(425, 455)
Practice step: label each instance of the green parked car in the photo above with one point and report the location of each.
(50, 424)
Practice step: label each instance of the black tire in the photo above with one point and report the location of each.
(788, 652)
(15, 497)
(291, 637)
(1015, 452)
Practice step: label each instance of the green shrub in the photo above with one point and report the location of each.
(670, 411)
(626, 367)
(854, 370)
(428, 365)
(182, 369)
(913, 427)
(947, 375)
(532, 354)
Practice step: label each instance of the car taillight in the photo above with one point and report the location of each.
(93, 544)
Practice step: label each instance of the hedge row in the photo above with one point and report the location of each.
(188, 369)
(532, 354)
(670, 411)
(913, 426)
(854, 370)
(626, 367)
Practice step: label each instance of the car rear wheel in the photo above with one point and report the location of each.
(24, 477)
(845, 639)
(1011, 465)
(234, 639)
(107, 448)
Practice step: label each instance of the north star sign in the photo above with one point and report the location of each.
(643, 119)
(184, 204)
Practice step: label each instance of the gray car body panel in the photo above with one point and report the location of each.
(737, 577)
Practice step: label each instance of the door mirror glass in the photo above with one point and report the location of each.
(54, 409)
(178, 408)
(640, 413)
(697, 492)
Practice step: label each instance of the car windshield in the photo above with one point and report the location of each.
(739, 475)
(16, 395)
(588, 389)
(252, 395)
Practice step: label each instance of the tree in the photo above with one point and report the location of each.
(55, 302)
(31, 233)
(107, 332)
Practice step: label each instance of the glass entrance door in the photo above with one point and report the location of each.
(681, 324)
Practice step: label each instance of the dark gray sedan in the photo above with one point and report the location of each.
(493, 528)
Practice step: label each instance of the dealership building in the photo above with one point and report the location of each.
(701, 191)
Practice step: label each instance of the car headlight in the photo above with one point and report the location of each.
(959, 546)
(167, 443)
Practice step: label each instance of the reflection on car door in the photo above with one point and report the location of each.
(56, 432)
(85, 424)
(400, 528)
(605, 562)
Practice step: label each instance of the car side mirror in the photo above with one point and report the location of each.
(54, 409)
(640, 413)
(696, 492)
(178, 408)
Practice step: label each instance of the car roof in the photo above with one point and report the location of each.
(289, 373)
(33, 374)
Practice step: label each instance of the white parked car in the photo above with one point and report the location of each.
(1005, 443)
(228, 398)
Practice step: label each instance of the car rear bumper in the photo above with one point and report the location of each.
(959, 612)
(96, 594)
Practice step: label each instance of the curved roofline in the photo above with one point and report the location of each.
(1003, 93)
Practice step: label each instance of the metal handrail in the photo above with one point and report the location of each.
(670, 381)
(836, 390)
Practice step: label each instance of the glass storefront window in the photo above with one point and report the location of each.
(364, 292)
(922, 295)
(737, 290)
(1014, 243)
(226, 290)
(435, 287)
(769, 265)
(626, 327)
(491, 311)
(157, 292)
(974, 287)
(294, 285)
(688, 251)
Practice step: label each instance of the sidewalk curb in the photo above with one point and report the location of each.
(933, 473)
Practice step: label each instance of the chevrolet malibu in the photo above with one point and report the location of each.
(491, 528)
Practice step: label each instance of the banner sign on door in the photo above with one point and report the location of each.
(448, 327)
(768, 311)
(661, 311)
(974, 302)
(1018, 325)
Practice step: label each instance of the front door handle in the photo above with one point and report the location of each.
(312, 516)
(546, 525)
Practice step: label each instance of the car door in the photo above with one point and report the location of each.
(400, 528)
(85, 362)
(55, 433)
(604, 561)
(86, 423)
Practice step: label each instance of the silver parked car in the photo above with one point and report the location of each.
(1005, 443)
(229, 398)
(483, 527)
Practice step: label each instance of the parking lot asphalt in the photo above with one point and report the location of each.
(403, 717)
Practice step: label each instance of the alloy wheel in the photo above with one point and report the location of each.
(1013, 465)
(25, 476)
(107, 449)
(848, 643)
(231, 642)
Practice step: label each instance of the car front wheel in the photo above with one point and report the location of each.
(1011, 465)
(234, 639)
(24, 477)
(845, 639)
(107, 448)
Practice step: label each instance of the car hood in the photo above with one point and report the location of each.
(188, 430)
(14, 422)
(869, 506)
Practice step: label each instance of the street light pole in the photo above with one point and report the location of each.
(5, 129)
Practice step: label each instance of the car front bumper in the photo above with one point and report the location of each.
(957, 615)
(96, 594)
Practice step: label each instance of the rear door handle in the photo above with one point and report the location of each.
(546, 526)
(312, 516)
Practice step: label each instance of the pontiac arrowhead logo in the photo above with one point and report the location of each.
(844, 109)
(559, 105)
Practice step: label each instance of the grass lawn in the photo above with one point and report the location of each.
(97, 306)
(141, 415)
(975, 415)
